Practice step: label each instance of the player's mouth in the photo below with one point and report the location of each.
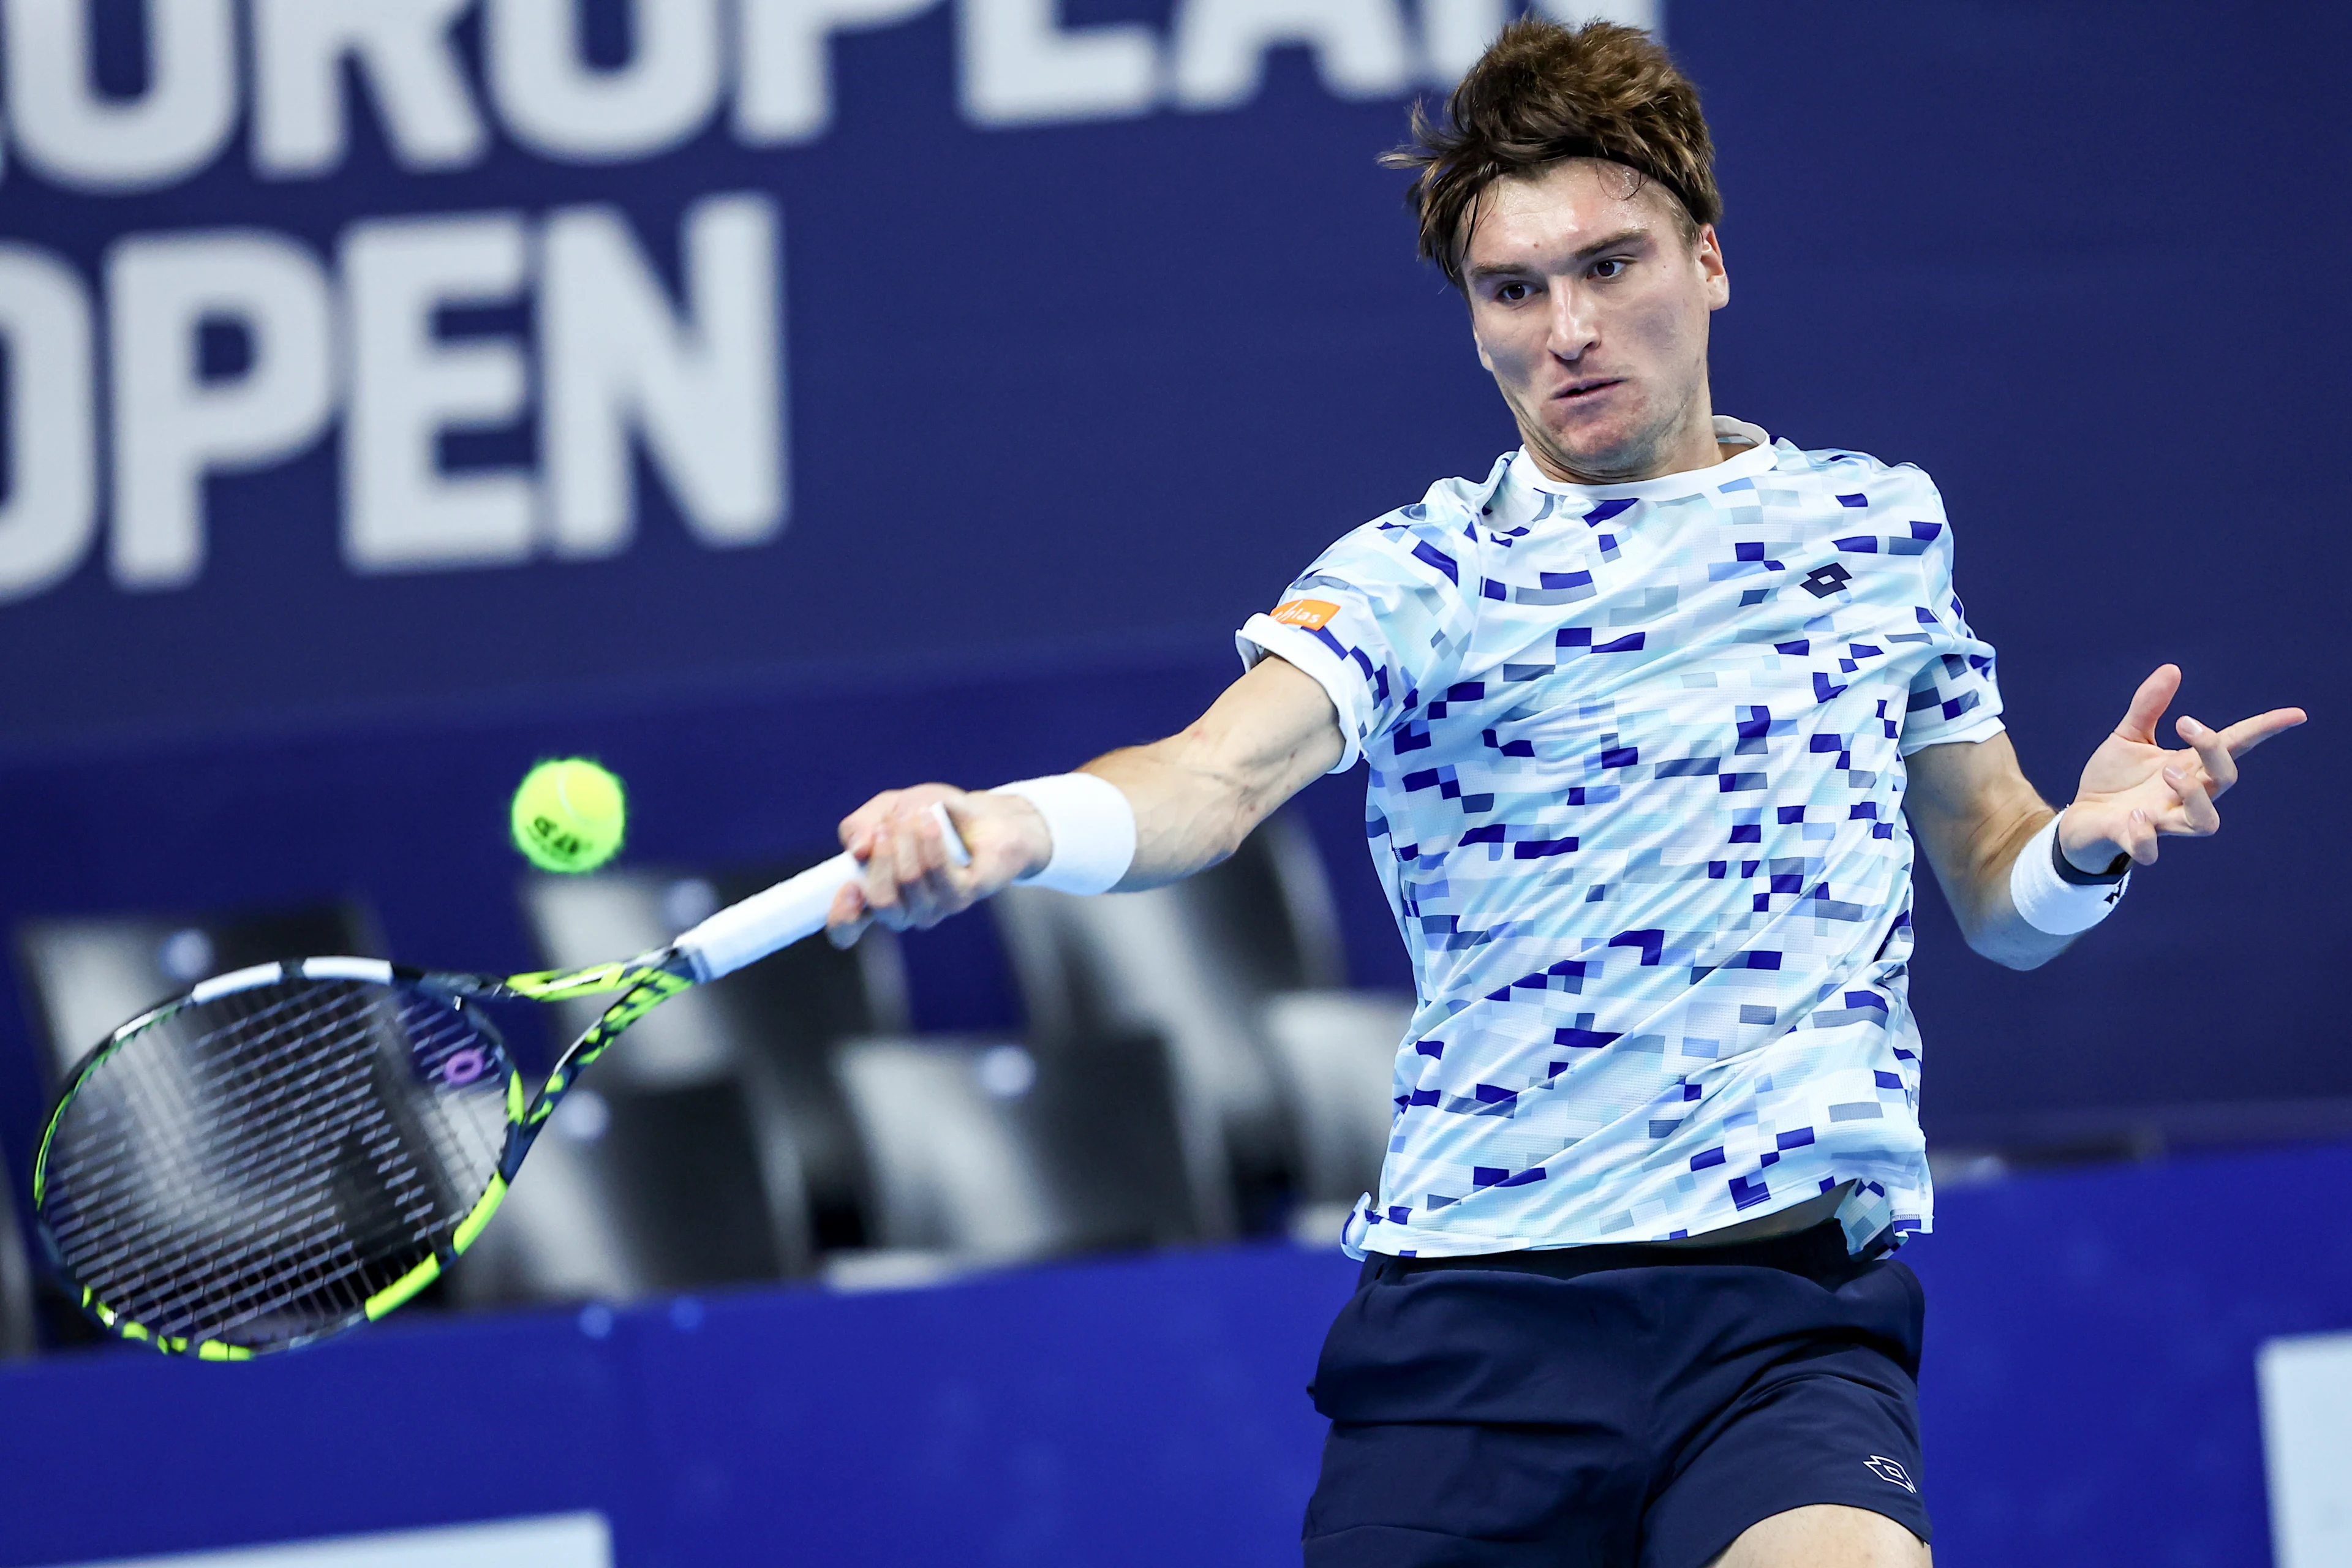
(1579, 391)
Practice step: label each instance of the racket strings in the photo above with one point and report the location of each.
(332, 1107)
(169, 1231)
(257, 1167)
(278, 1078)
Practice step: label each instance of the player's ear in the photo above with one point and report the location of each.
(1708, 247)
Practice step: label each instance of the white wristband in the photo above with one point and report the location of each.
(1093, 828)
(2047, 902)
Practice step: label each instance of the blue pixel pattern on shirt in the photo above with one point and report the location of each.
(1636, 785)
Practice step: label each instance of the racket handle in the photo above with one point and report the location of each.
(748, 932)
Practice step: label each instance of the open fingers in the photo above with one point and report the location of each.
(2212, 751)
(2148, 703)
(2197, 808)
(2247, 734)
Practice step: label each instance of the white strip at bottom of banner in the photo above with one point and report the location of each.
(555, 1541)
(2306, 1384)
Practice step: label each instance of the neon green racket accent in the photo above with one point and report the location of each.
(401, 1290)
(562, 984)
(474, 1222)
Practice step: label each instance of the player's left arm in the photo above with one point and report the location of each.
(1972, 810)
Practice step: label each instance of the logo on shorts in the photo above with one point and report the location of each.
(1312, 614)
(1886, 1469)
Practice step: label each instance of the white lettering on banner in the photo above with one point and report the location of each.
(172, 426)
(784, 90)
(64, 129)
(1019, 65)
(400, 512)
(1020, 69)
(1361, 47)
(699, 384)
(1454, 33)
(401, 47)
(705, 392)
(558, 104)
(50, 514)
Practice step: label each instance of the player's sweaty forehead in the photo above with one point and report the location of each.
(1557, 217)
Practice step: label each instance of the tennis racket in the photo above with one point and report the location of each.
(296, 1149)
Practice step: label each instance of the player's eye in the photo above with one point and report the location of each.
(1513, 294)
(1613, 268)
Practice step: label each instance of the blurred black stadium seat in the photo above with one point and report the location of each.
(1336, 1053)
(982, 1152)
(1211, 965)
(17, 1335)
(88, 976)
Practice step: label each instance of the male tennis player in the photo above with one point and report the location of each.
(1645, 711)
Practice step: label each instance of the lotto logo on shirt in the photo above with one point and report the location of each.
(1312, 614)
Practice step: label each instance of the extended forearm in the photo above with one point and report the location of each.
(2021, 880)
(1973, 811)
(1197, 794)
(1189, 813)
(1173, 808)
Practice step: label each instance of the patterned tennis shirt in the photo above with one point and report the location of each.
(1637, 786)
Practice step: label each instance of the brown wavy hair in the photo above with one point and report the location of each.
(1544, 93)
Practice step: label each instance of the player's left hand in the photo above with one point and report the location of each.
(2134, 791)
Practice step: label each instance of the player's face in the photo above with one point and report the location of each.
(1591, 310)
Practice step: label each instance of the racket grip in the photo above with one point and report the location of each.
(748, 932)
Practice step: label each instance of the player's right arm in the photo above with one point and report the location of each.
(1196, 795)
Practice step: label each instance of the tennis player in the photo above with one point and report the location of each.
(1645, 711)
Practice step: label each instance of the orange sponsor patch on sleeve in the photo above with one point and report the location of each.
(1312, 614)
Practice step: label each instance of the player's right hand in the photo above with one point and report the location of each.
(910, 880)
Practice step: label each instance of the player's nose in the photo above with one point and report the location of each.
(1572, 326)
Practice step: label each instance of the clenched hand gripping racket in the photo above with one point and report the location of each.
(296, 1149)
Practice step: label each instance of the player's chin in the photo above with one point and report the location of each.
(1602, 439)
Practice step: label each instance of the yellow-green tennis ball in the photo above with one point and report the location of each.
(569, 815)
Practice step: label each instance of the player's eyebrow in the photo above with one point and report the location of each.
(1611, 242)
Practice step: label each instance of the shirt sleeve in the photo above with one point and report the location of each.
(1379, 619)
(1956, 695)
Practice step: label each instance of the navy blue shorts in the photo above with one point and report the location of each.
(1641, 1415)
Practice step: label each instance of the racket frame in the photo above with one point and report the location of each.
(644, 983)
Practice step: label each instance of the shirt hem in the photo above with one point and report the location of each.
(1296, 647)
(1975, 731)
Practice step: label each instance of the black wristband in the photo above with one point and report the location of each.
(2069, 874)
